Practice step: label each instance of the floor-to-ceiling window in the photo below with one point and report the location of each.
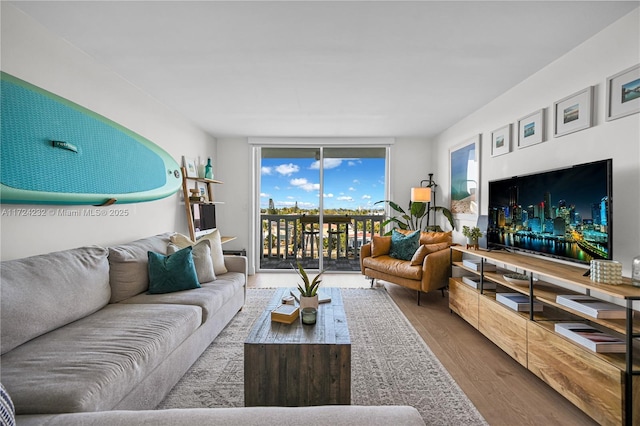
(316, 204)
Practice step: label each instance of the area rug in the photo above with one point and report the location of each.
(390, 363)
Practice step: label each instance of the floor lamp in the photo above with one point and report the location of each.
(423, 194)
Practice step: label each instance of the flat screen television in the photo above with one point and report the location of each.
(564, 213)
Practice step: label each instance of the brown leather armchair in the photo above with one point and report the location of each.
(428, 270)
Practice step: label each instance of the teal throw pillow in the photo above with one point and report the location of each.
(175, 272)
(404, 246)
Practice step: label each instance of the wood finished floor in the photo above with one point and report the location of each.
(504, 392)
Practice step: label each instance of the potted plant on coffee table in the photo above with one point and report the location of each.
(472, 234)
(308, 289)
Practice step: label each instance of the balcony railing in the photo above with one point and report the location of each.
(293, 237)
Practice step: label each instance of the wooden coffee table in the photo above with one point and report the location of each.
(299, 365)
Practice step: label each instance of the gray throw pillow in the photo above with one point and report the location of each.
(129, 266)
(217, 255)
(202, 259)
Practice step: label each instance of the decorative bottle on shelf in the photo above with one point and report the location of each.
(208, 172)
(635, 271)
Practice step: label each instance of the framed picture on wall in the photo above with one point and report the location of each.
(501, 141)
(531, 129)
(573, 113)
(623, 93)
(464, 178)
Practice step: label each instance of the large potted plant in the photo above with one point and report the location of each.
(308, 289)
(413, 220)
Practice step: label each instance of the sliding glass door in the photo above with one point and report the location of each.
(317, 205)
(353, 180)
(289, 192)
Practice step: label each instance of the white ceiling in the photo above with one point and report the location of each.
(383, 68)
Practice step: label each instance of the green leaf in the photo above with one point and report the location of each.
(449, 216)
(446, 213)
(387, 221)
(418, 209)
(414, 219)
(396, 207)
(316, 280)
(310, 288)
(393, 205)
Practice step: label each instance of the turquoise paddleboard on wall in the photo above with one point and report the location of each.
(57, 152)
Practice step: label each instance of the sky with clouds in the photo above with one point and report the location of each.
(350, 183)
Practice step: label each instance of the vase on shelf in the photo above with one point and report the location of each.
(201, 170)
(208, 170)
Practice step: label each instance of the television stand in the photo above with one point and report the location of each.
(603, 385)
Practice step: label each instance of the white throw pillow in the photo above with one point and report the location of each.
(217, 256)
(201, 258)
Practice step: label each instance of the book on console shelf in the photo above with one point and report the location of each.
(517, 302)
(474, 281)
(457, 271)
(322, 296)
(286, 314)
(591, 306)
(474, 264)
(591, 338)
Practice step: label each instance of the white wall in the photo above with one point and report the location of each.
(234, 169)
(31, 53)
(411, 161)
(607, 53)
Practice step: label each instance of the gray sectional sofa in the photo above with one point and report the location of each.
(79, 333)
(83, 343)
